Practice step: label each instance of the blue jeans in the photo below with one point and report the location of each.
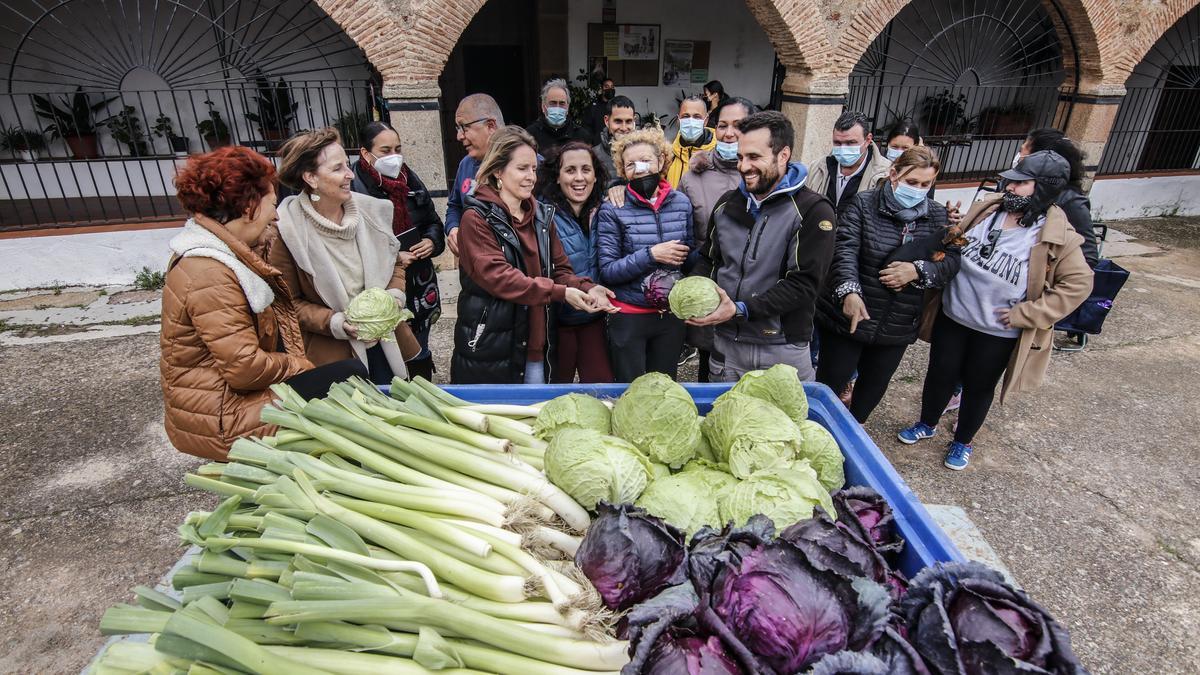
(535, 372)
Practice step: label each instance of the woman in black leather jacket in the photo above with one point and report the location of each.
(380, 172)
(889, 250)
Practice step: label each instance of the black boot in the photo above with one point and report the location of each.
(422, 367)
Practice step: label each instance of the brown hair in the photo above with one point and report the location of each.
(298, 155)
(500, 151)
(651, 136)
(224, 184)
(916, 157)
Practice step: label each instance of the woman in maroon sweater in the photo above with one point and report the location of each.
(512, 268)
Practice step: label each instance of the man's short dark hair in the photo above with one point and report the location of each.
(782, 134)
(847, 121)
(619, 102)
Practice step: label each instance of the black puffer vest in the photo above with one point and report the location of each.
(491, 335)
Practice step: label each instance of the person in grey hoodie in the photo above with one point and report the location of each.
(769, 246)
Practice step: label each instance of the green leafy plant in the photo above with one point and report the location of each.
(126, 128)
(944, 113)
(17, 139)
(348, 125)
(583, 95)
(149, 280)
(214, 130)
(164, 127)
(74, 117)
(276, 109)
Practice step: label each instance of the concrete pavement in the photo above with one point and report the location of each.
(1085, 488)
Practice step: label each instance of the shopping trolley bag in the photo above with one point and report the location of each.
(1089, 317)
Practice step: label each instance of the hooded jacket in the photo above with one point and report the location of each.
(626, 234)
(683, 154)
(870, 178)
(1059, 281)
(772, 255)
(225, 314)
(869, 230)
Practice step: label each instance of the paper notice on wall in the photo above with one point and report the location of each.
(699, 75)
(677, 62)
(612, 49)
(639, 43)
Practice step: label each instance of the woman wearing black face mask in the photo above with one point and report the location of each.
(381, 172)
(1022, 270)
(644, 245)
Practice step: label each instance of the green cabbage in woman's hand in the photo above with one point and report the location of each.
(376, 313)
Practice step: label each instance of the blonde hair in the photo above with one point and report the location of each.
(652, 137)
(299, 154)
(916, 157)
(500, 151)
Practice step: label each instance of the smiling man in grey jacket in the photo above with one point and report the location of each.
(769, 246)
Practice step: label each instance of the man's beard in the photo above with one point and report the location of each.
(767, 179)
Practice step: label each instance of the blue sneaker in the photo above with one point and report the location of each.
(957, 456)
(916, 432)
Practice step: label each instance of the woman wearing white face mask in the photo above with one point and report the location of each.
(381, 173)
(693, 137)
(888, 252)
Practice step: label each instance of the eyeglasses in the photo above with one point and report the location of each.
(993, 236)
(462, 128)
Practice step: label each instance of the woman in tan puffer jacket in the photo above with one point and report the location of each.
(229, 327)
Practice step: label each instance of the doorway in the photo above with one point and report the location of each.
(1173, 141)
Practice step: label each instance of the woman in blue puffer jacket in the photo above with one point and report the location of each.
(645, 245)
(568, 180)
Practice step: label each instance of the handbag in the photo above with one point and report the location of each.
(1089, 317)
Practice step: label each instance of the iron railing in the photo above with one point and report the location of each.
(976, 131)
(124, 171)
(1156, 129)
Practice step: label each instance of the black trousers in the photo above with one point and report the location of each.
(842, 355)
(977, 360)
(642, 343)
(315, 383)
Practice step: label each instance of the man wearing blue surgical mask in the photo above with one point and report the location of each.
(693, 137)
(555, 127)
(855, 164)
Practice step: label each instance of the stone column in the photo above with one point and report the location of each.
(415, 112)
(1090, 122)
(813, 105)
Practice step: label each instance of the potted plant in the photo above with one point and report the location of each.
(164, 127)
(944, 113)
(126, 128)
(348, 124)
(1014, 119)
(22, 143)
(72, 121)
(213, 130)
(276, 111)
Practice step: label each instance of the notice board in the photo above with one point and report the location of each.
(629, 52)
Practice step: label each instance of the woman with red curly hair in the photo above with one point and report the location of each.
(229, 328)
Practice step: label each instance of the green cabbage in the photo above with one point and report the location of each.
(818, 446)
(715, 475)
(693, 297)
(703, 449)
(376, 313)
(785, 493)
(578, 411)
(658, 416)
(658, 471)
(592, 467)
(778, 385)
(749, 434)
(685, 500)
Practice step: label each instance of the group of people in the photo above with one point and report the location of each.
(569, 242)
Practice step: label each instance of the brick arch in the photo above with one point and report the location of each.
(408, 41)
(1091, 22)
(1143, 32)
(797, 32)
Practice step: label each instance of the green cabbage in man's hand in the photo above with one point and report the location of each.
(693, 297)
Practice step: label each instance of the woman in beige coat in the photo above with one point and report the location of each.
(331, 244)
(1022, 271)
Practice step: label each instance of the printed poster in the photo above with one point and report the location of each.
(638, 43)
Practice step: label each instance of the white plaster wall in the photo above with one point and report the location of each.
(1116, 198)
(742, 57)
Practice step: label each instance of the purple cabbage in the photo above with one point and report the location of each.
(964, 619)
(790, 613)
(838, 547)
(629, 555)
(673, 655)
(849, 663)
(895, 651)
(865, 509)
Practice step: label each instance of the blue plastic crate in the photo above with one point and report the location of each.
(865, 464)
